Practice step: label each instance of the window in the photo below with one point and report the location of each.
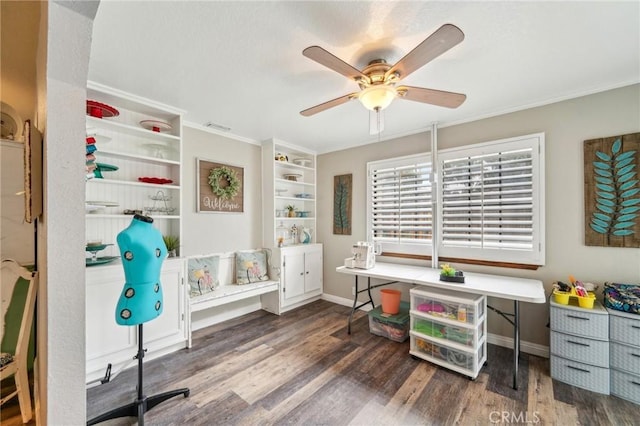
(492, 201)
(399, 200)
(491, 209)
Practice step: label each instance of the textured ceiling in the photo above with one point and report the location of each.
(240, 64)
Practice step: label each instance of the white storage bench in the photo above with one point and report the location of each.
(215, 277)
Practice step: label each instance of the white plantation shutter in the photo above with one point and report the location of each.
(491, 202)
(399, 207)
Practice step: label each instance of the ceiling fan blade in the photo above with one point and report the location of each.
(443, 39)
(327, 59)
(329, 104)
(432, 96)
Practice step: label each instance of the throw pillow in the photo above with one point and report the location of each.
(203, 275)
(251, 267)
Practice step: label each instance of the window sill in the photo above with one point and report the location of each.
(465, 261)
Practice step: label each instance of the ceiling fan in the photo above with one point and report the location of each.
(378, 80)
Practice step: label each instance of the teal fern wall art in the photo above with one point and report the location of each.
(613, 210)
(342, 188)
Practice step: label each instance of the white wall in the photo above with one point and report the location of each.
(204, 233)
(566, 125)
(61, 234)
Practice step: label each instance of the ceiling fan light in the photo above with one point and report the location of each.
(377, 97)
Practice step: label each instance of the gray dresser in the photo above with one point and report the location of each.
(624, 332)
(580, 345)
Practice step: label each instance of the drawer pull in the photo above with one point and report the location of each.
(578, 343)
(579, 369)
(635, 326)
(635, 383)
(636, 355)
(575, 317)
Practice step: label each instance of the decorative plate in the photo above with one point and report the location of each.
(159, 151)
(156, 180)
(155, 125)
(97, 136)
(107, 167)
(90, 208)
(292, 176)
(100, 110)
(100, 260)
(97, 247)
(302, 161)
(103, 203)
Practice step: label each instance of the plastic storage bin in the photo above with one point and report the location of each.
(440, 330)
(393, 327)
(468, 363)
(449, 328)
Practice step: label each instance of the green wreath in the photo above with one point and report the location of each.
(233, 183)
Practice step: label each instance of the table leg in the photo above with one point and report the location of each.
(353, 309)
(373, 306)
(516, 342)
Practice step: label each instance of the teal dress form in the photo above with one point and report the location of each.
(143, 251)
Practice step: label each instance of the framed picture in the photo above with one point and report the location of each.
(220, 187)
(612, 191)
(342, 187)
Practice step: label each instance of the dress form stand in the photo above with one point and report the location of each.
(143, 251)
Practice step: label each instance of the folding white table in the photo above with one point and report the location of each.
(516, 289)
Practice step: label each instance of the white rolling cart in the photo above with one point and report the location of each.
(449, 329)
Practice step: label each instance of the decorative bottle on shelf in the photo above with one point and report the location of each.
(294, 234)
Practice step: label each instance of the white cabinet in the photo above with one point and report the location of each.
(300, 278)
(449, 329)
(127, 144)
(110, 343)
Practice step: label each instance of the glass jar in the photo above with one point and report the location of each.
(282, 235)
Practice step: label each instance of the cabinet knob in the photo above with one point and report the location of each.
(301, 273)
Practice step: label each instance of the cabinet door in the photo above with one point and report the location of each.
(294, 272)
(313, 270)
(169, 326)
(104, 337)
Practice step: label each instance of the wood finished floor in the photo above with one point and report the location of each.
(302, 368)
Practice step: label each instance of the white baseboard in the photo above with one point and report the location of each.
(343, 301)
(495, 339)
(526, 347)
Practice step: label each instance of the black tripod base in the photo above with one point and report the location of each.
(139, 407)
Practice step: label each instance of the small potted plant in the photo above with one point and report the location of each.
(172, 242)
(449, 274)
(292, 210)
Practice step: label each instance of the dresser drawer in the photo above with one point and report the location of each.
(594, 352)
(625, 357)
(624, 329)
(625, 386)
(580, 322)
(582, 375)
